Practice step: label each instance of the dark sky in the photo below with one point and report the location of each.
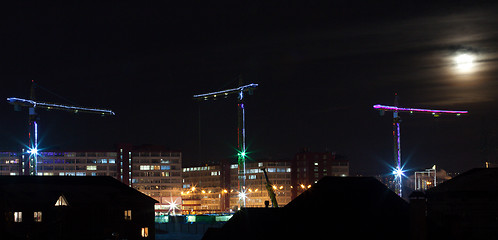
(321, 65)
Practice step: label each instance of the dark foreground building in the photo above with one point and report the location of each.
(465, 207)
(73, 208)
(333, 208)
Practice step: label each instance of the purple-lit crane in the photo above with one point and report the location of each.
(398, 169)
(29, 166)
(241, 130)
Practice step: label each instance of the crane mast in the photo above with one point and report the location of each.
(398, 167)
(241, 131)
(29, 165)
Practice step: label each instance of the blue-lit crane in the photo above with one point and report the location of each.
(398, 168)
(241, 131)
(29, 166)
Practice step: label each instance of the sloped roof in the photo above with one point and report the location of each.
(475, 180)
(46, 190)
(352, 207)
(355, 192)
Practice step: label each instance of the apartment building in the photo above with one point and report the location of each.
(153, 170)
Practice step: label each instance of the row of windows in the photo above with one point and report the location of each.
(79, 154)
(156, 154)
(87, 168)
(205, 168)
(156, 167)
(77, 161)
(9, 161)
(148, 160)
(153, 174)
(163, 180)
(18, 216)
(73, 174)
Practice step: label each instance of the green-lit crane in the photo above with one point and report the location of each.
(241, 131)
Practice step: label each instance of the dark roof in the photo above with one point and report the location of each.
(356, 193)
(475, 180)
(77, 190)
(352, 207)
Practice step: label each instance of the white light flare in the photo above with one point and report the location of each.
(243, 197)
(33, 151)
(173, 205)
(398, 172)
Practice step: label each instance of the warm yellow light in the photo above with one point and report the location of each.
(193, 189)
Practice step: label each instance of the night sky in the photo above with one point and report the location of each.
(321, 66)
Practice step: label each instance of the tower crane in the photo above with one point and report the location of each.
(241, 131)
(29, 166)
(398, 169)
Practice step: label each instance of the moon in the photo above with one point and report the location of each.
(464, 62)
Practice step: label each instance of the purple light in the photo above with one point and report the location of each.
(399, 144)
(393, 108)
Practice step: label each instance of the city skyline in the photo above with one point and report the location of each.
(319, 69)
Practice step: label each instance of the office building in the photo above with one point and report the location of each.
(153, 170)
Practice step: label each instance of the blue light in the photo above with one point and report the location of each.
(229, 91)
(31, 103)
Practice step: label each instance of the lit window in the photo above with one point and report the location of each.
(166, 167)
(37, 216)
(17, 216)
(145, 232)
(127, 215)
(260, 164)
(144, 167)
(61, 201)
(91, 168)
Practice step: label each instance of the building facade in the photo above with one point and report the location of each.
(309, 167)
(215, 188)
(153, 170)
